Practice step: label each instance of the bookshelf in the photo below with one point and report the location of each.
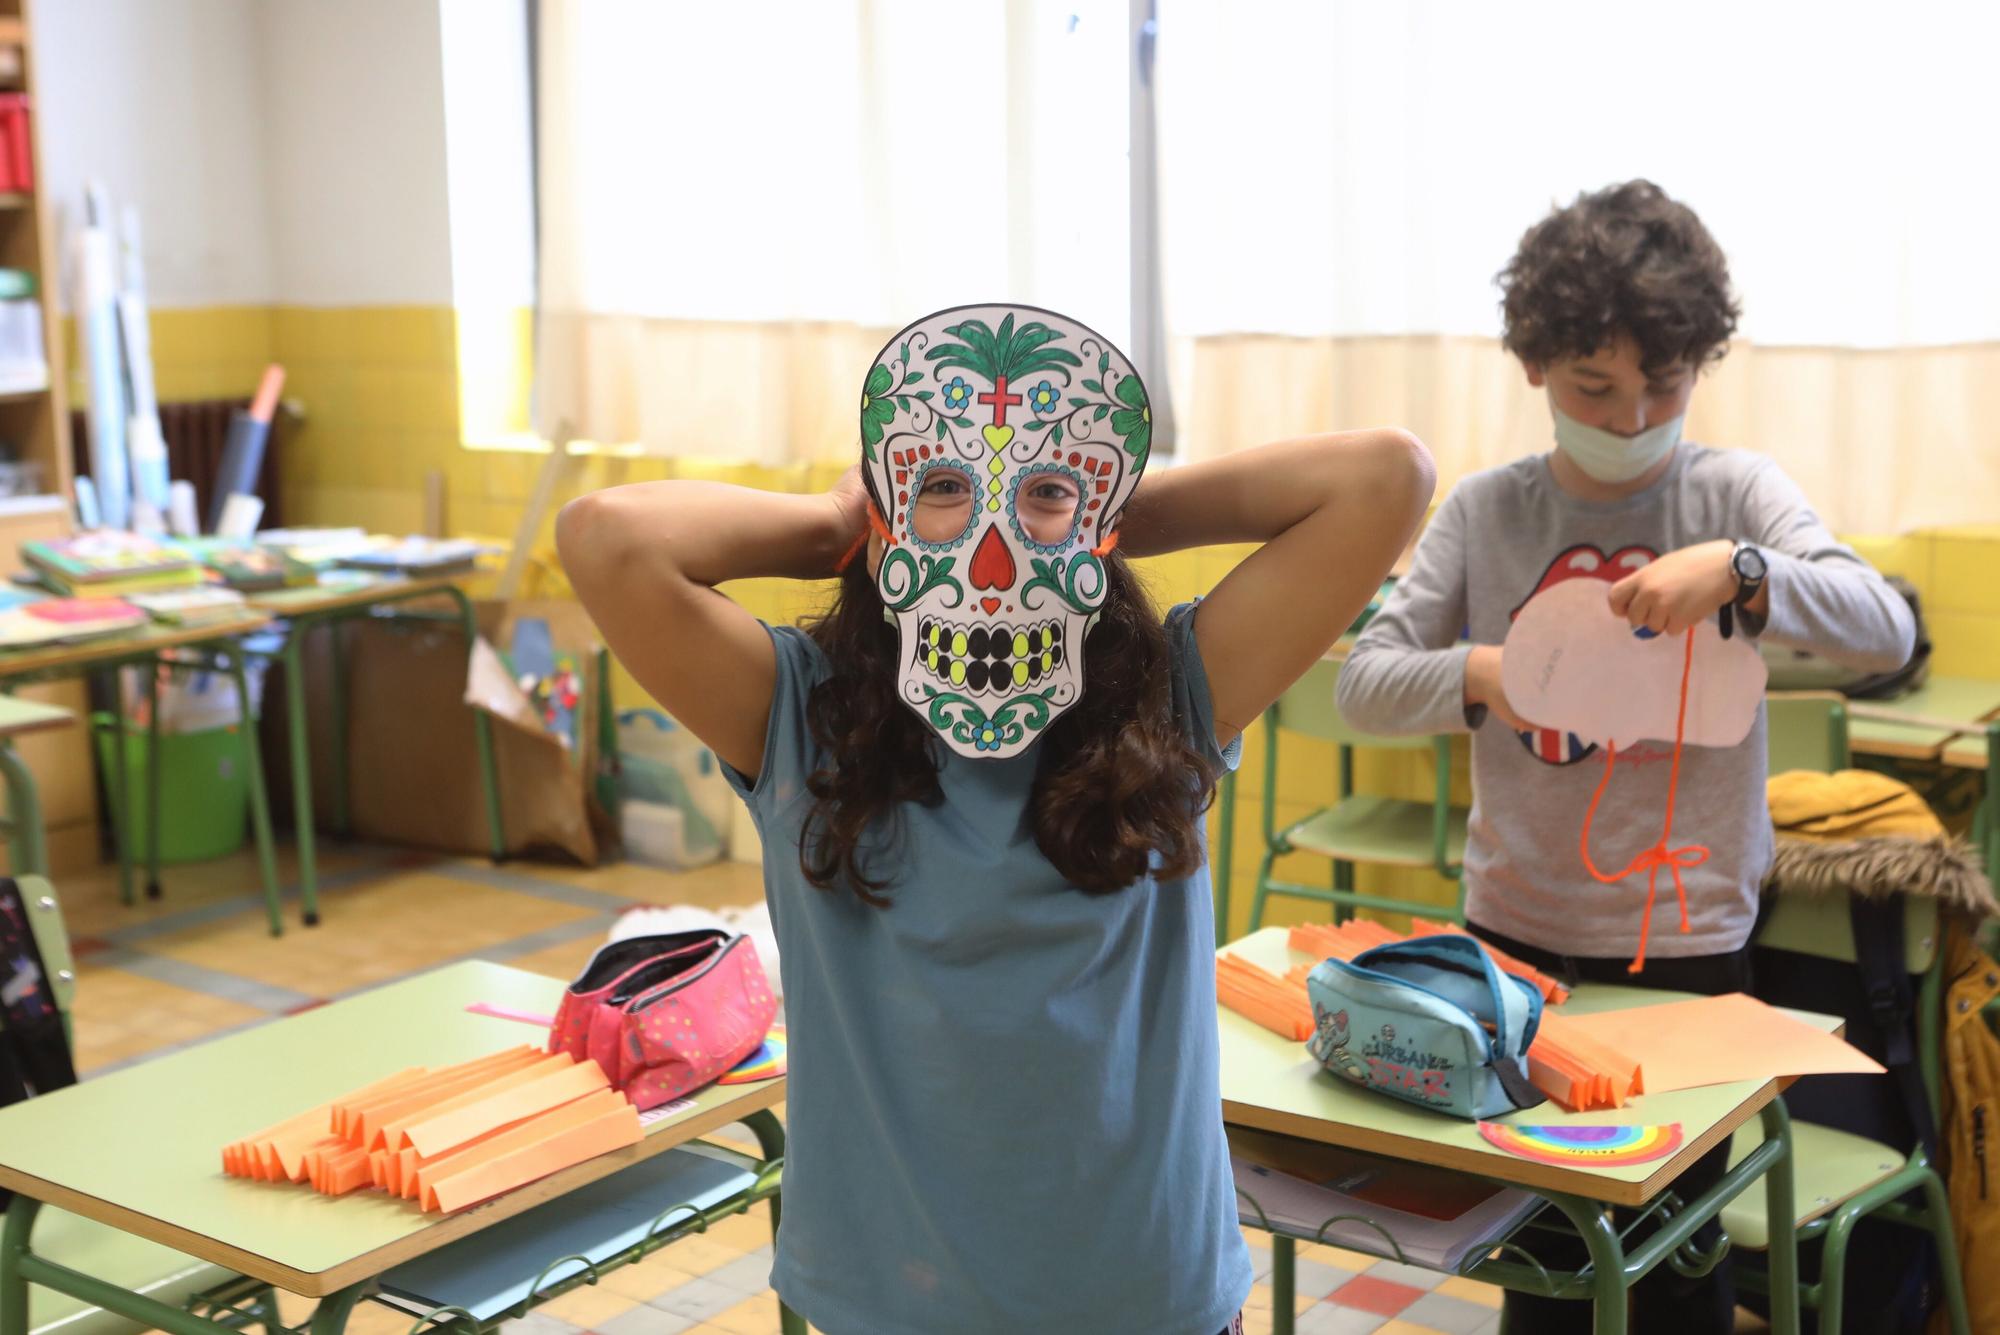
(36, 423)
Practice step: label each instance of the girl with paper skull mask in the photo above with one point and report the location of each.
(979, 777)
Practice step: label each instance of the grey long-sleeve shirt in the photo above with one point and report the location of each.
(1503, 535)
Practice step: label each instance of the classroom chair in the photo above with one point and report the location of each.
(110, 1254)
(1840, 1178)
(1357, 828)
(1806, 730)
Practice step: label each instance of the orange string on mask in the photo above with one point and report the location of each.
(875, 525)
(1659, 855)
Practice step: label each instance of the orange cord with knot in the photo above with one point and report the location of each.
(876, 525)
(1659, 855)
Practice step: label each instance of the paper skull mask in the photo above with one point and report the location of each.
(1025, 408)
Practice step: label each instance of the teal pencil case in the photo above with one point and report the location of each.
(1430, 1021)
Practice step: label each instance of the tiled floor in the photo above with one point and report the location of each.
(198, 963)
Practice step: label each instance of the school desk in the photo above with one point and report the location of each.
(18, 718)
(1272, 1084)
(316, 605)
(140, 1150)
(213, 644)
(1924, 723)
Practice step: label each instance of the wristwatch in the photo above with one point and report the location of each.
(1750, 568)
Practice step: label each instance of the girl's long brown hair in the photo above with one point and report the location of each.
(1118, 790)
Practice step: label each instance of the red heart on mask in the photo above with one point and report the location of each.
(991, 605)
(992, 563)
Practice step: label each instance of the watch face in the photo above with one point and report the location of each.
(1749, 564)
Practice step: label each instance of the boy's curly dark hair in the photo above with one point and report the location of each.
(1118, 790)
(1626, 259)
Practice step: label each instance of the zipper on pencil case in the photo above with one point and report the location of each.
(668, 989)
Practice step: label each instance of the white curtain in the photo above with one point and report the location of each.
(1341, 181)
(741, 202)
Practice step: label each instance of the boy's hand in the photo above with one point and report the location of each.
(1679, 590)
(1482, 687)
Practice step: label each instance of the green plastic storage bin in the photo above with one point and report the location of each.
(204, 793)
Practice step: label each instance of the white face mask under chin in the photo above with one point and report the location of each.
(1611, 458)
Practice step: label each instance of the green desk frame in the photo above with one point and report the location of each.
(1615, 1265)
(244, 1301)
(72, 1148)
(1268, 1084)
(304, 609)
(220, 652)
(27, 847)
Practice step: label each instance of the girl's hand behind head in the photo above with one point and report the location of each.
(850, 502)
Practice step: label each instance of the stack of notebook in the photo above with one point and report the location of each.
(200, 606)
(110, 564)
(248, 568)
(44, 621)
(417, 556)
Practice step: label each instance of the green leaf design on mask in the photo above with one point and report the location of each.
(877, 411)
(906, 578)
(962, 719)
(1134, 422)
(1079, 583)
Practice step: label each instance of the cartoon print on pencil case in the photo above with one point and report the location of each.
(1552, 746)
(1330, 1043)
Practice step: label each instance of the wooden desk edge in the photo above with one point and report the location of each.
(1524, 1173)
(282, 602)
(448, 1229)
(42, 723)
(112, 649)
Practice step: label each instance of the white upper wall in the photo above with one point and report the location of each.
(286, 151)
(488, 124)
(354, 96)
(161, 102)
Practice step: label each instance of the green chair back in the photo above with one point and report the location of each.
(1307, 708)
(1807, 730)
(1819, 925)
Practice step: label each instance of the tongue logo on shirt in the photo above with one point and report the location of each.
(1583, 561)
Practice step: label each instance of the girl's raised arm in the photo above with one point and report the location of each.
(1332, 513)
(645, 560)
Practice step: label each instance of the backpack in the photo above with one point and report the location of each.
(34, 1045)
(1971, 1098)
(1895, 1288)
(1800, 670)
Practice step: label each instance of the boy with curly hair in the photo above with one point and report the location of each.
(1614, 305)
